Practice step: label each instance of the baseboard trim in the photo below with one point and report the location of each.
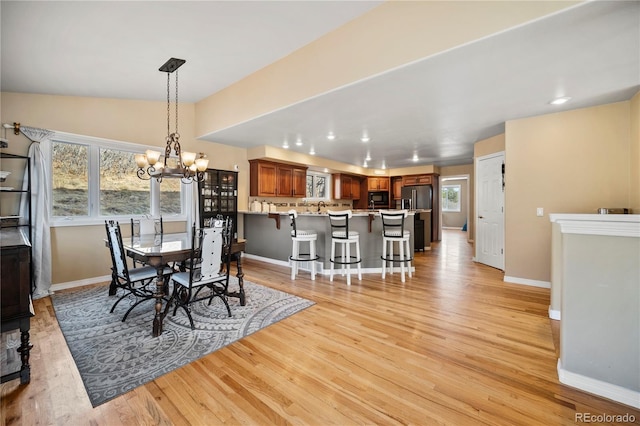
(598, 387)
(320, 270)
(526, 281)
(554, 314)
(80, 283)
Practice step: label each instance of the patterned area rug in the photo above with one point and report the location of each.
(114, 357)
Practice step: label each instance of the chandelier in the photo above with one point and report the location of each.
(184, 165)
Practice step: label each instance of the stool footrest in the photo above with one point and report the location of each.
(396, 258)
(353, 262)
(304, 259)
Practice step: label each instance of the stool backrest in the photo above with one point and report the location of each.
(292, 215)
(393, 222)
(339, 221)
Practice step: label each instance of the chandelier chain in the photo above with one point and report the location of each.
(177, 104)
(168, 106)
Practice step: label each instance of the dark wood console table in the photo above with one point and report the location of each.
(15, 267)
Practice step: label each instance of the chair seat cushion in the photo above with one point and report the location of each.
(146, 272)
(397, 234)
(182, 278)
(305, 233)
(343, 234)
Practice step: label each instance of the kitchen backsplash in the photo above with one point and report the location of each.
(278, 204)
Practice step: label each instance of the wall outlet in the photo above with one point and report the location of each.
(540, 211)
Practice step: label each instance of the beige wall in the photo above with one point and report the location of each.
(391, 35)
(77, 252)
(569, 162)
(634, 157)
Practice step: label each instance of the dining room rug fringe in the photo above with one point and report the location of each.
(114, 357)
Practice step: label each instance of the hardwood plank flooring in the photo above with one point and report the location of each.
(454, 345)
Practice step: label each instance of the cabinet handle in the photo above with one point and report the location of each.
(480, 217)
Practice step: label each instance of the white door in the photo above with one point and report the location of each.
(490, 210)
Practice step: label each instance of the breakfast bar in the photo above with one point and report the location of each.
(268, 235)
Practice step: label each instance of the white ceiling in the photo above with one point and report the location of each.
(436, 108)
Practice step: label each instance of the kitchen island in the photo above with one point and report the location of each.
(269, 236)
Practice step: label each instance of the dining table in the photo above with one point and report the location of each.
(162, 249)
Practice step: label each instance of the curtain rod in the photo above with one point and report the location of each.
(15, 126)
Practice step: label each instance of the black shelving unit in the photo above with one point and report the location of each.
(219, 196)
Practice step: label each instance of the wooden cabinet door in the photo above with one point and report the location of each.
(284, 181)
(383, 184)
(345, 187)
(299, 182)
(355, 188)
(397, 188)
(372, 184)
(267, 183)
(16, 282)
(424, 180)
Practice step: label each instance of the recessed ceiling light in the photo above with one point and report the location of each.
(365, 164)
(415, 157)
(365, 138)
(285, 145)
(312, 151)
(331, 136)
(298, 142)
(560, 101)
(368, 158)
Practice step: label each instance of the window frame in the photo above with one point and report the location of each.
(327, 186)
(94, 217)
(447, 186)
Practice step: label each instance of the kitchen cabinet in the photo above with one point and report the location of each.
(417, 180)
(397, 188)
(271, 179)
(378, 184)
(299, 182)
(346, 187)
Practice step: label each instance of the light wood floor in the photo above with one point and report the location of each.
(453, 345)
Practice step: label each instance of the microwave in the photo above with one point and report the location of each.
(379, 198)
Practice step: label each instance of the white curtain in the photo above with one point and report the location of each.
(40, 234)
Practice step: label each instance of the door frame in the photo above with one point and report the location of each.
(470, 211)
(477, 204)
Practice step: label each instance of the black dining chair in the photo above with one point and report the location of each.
(208, 267)
(136, 282)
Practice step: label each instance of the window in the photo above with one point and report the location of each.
(450, 198)
(93, 179)
(317, 186)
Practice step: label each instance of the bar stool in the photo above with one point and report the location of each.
(299, 236)
(341, 235)
(393, 232)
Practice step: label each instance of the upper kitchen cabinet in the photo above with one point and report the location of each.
(396, 184)
(299, 179)
(346, 187)
(417, 180)
(378, 184)
(270, 179)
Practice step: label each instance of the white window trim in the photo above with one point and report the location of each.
(94, 217)
(327, 190)
(452, 185)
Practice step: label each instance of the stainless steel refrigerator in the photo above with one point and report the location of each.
(418, 196)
